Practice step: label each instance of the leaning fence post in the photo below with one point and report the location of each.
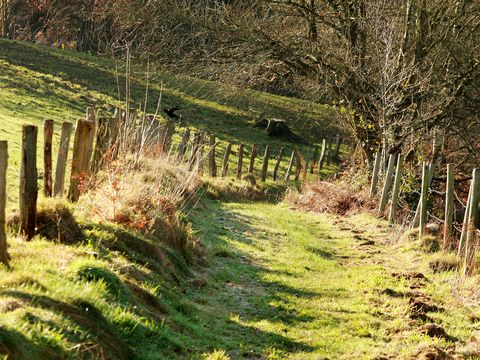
(211, 157)
(396, 190)
(290, 165)
(463, 235)
(28, 182)
(376, 169)
(387, 184)
(62, 159)
(240, 161)
(80, 159)
(91, 117)
(228, 150)
(265, 163)
(416, 218)
(47, 157)
(253, 155)
(193, 153)
(3, 201)
(277, 164)
(101, 143)
(449, 208)
(472, 221)
(423, 200)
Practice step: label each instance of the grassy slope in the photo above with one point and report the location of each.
(40, 82)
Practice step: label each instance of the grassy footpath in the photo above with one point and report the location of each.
(38, 82)
(286, 284)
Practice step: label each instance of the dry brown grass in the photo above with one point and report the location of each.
(146, 195)
(330, 197)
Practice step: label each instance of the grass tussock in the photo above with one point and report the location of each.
(147, 196)
(330, 197)
(444, 262)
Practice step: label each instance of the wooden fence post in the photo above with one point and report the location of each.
(47, 157)
(463, 235)
(3, 201)
(28, 182)
(80, 159)
(240, 161)
(91, 117)
(228, 150)
(472, 222)
(338, 143)
(200, 153)
(183, 144)
(298, 164)
(396, 190)
(290, 165)
(211, 157)
(387, 184)
(449, 209)
(329, 152)
(193, 153)
(423, 200)
(62, 159)
(314, 160)
(265, 163)
(101, 143)
(253, 155)
(277, 164)
(305, 168)
(416, 219)
(376, 169)
(322, 155)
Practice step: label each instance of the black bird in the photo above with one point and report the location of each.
(171, 112)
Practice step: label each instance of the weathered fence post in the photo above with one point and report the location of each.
(101, 144)
(290, 165)
(211, 157)
(91, 117)
(376, 169)
(305, 168)
(253, 155)
(423, 200)
(183, 145)
(449, 209)
(28, 182)
(80, 159)
(193, 153)
(322, 155)
(240, 161)
(463, 235)
(47, 157)
(396, 190)
(338, 143)
(387, 184)
(314, 160)
(200, 159)
(265, 163)
(298, 164)
(472, 222)
(3, 201)
(228, 150)
(329, 152)
(416, 219)
(62, 159)
(277, 164)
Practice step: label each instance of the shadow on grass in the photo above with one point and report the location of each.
(238, 286)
